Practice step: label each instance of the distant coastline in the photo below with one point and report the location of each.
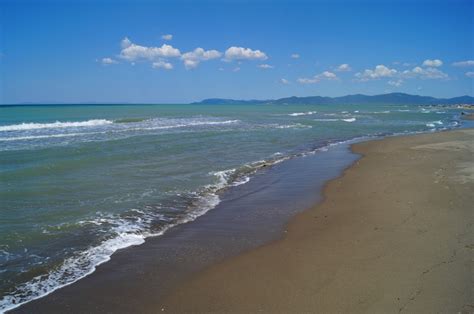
(356, 99)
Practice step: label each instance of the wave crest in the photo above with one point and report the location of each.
(54, 125)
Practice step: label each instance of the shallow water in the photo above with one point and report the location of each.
(79, 182)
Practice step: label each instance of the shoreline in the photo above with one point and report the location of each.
(74, 295)
(396, 261)
(273, 195)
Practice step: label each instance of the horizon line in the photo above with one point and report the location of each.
(60, 103)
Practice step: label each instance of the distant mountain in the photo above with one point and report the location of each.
(357, 99)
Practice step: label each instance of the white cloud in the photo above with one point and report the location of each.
(344, 68)
(193, 58)
(265, 66)
(236, 69)
(295, 56)
(424, 73)
(395, 83)
(162, 65)
(190, 64)
(167, 37)
(125, 43)
(284, 81)
(108, 61)
(467, 63)
(133, 52)
(432, 63)
(326, 75)
(304, 80)
(380, 71)
(470, 74)
(240, 53)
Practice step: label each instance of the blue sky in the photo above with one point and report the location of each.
(118, 51)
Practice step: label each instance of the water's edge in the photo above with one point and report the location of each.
(219, 234)
(206, 235)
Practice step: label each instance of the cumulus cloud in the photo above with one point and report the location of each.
(125, 43)
(432, 63)
(467, 63)
(295, 56)
(265, 66)
(470, 74)
(108, 61)
(343, 68)
(167, 37)
(193, 58)
(162, 65)
(395, 83)
(134, 52)
(380, 71)
(284, 81)
(240, 53)
(326, 75)
(424, 73)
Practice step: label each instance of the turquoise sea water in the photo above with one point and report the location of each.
(79, 182)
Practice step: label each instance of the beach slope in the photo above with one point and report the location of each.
(394, 234)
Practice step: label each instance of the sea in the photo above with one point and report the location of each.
(79, 182)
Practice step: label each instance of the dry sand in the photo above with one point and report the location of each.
(394, 234)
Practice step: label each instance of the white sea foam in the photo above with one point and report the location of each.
(54, 125)
(35, 137)
(434, 123)
(294, 126)
(70, 271)
(378, 112)
(326, 120)
(187, 124)
(128, 233)
(121, 128)
(296, 114)
(335, 120)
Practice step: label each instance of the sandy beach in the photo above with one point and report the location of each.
(394, 234)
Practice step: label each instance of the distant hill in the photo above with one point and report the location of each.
(357, 99)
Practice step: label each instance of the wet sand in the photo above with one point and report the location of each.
(394, 234)
(249, 216)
